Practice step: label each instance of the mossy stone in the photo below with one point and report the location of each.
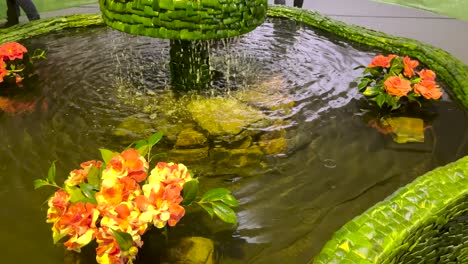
(192, 250)
(223, 116)
(237, 157)
(189, 137)
(135, 126)
(273, 146)
(188, 155)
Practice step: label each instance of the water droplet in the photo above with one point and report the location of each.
(329, 163)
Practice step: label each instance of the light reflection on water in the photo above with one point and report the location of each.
(334, 168)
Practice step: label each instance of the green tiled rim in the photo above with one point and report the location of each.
(420, 223)
(184, 19)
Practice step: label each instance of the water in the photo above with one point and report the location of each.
(334, 167)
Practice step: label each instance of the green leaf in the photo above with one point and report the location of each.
(124, 240)
(140, 143)
(190, 191)
(396, 66)
(207, 208)
(107, 155)
(371, 91)
(214, 195)
(224, 212)
(88, 190)
(94, 177)
(359, 67)
(76, 195)
(51, 173)
(143, 150)
(362, 85)
(39, 183)
(416, 80)
(230, 200)
(155, 138)
(379, 99)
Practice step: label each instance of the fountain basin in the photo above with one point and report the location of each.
(302, 199)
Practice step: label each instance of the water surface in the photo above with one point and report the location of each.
(335, 166)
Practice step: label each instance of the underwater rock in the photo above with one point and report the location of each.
(134, 127)
(269, 94)
(189, 137)
(188, 155)
(237, 157)
(223, 116)
(273, 142)
(273, 146)
(192, 250)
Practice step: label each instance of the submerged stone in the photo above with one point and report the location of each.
(192, 250)
(237, 157)
(273, 146)
(223, 116)
(188, 155)
(189, 137)
(135, 127)
(268, 94)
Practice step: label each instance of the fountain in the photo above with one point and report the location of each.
(280, 124)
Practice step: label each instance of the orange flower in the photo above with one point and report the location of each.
(58, 205)
(3, 70)
(168, 173)
(427, 75)
(111, 192)
(128, 163)
(108, 250)
(135, 164)
(409, 66)
(12, 50)
(397, 86)
(428, 89)
(78, 222)
(381, 61)
(77, 177)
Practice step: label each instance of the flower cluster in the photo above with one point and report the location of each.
(115, 202)
(391, 80)
(13, 63)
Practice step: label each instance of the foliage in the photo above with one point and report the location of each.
(450, 8)
(115, 202)
(15, 63)
(390, 81)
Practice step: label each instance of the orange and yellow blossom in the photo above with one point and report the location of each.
(128, 163)
(168, 173)
(397, 86)
(58, 205)
(428, 89)
(78, 177)
(160, 204)
(427, 75)
(12, 50)
(3, 70)
(408, 71)
(381, 61)
(107, 251)
(78, 222)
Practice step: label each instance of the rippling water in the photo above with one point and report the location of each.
(335, 166)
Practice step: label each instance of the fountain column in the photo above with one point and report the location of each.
(186, 23)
